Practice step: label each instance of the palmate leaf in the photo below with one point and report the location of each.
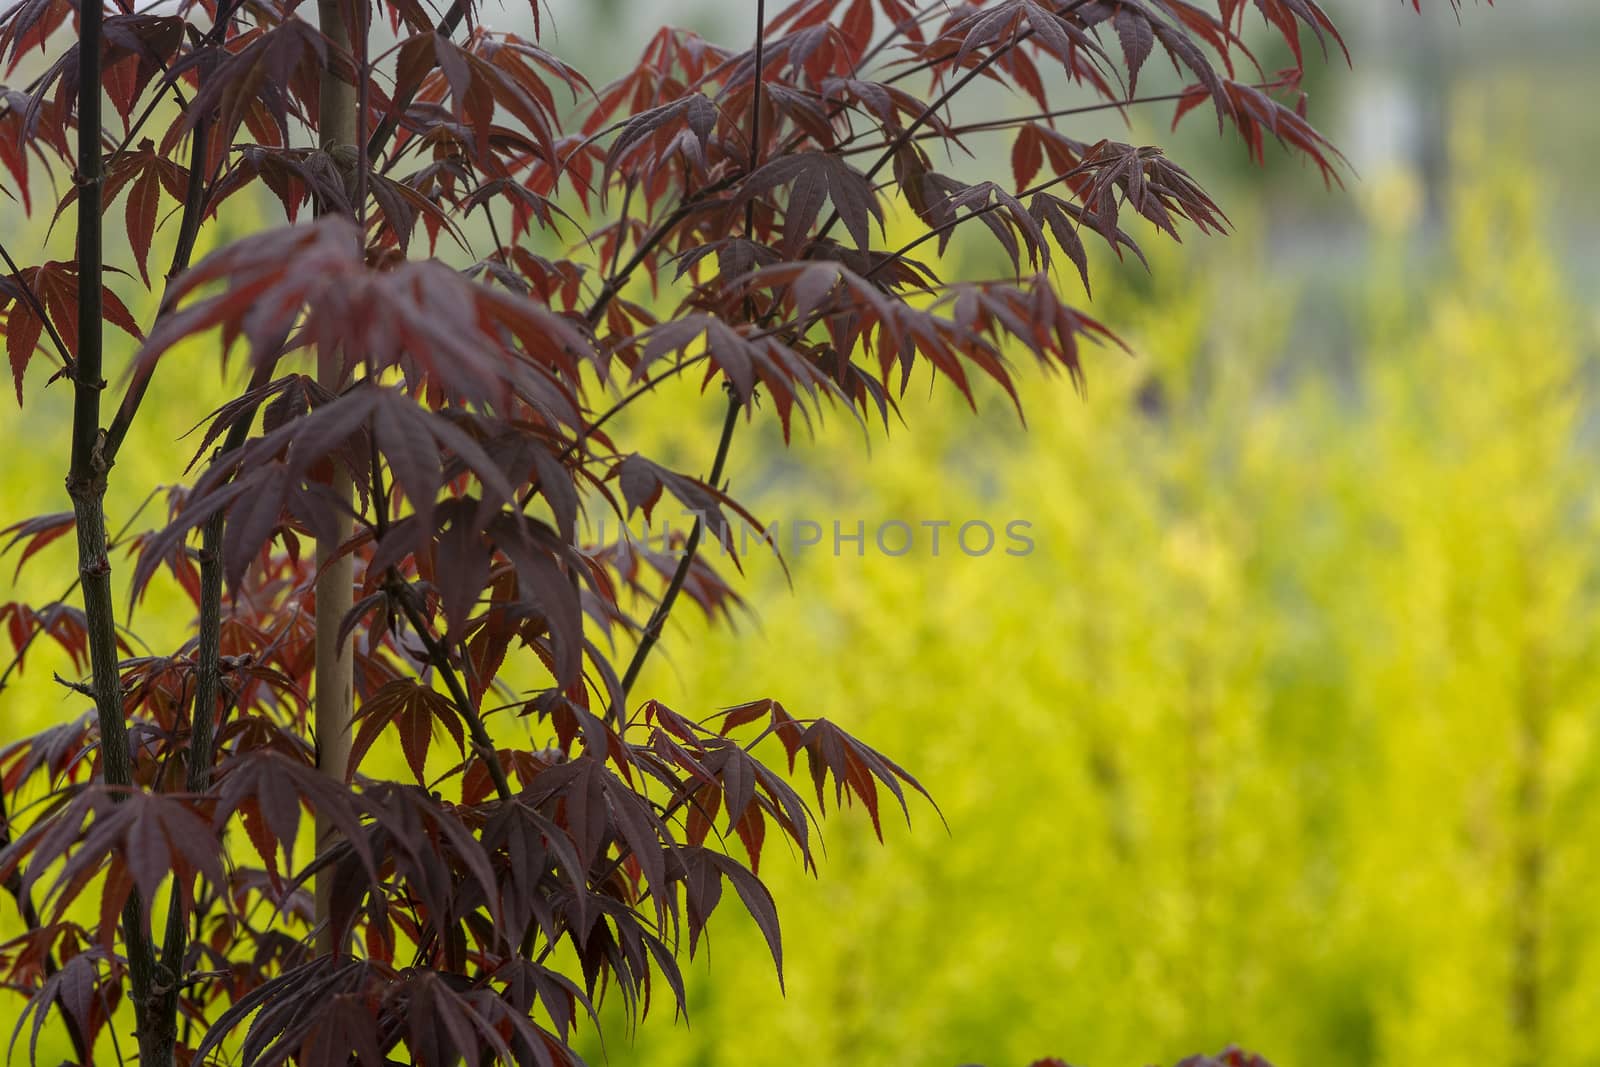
(705, 870)
(1258, 115)
(856, 769)
(473, 343)
(416, 712)
(857, 18)
(140, 47)
(75, 987)
(525, 983)
(62, 622)
(273, 68)
(57, 751)
(292, 1005)
(489, 74)
(642, 570)
(26, 129)
(28, 25)
(810, 179)
(642, 480)
(433, 851)
(37, 532)
(55, 285)
(145, 173)
(144, 838)
(269, 788)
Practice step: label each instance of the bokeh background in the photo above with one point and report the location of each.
(1288, 730)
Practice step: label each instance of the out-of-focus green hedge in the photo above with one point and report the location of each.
(1284, 734)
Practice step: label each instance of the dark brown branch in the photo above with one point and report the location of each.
(86, 484)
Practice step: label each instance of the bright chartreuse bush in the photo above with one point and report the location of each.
(1284, 731)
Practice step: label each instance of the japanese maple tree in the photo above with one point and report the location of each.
(384, 532)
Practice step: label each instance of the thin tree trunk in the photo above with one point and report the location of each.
(86, 484)
(334, 699)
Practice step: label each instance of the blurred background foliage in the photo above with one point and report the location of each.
(1285, 732)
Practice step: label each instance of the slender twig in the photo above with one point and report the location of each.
(658, 618)
(208, 688)
(689, 205)
(439, 656)
(405, 93)
(815, 317)
(168, 82)
(621, 405)
(927, 12)
(196, 201)
(494, 227)
(755, 113)
(210, 39)
(196, 195)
